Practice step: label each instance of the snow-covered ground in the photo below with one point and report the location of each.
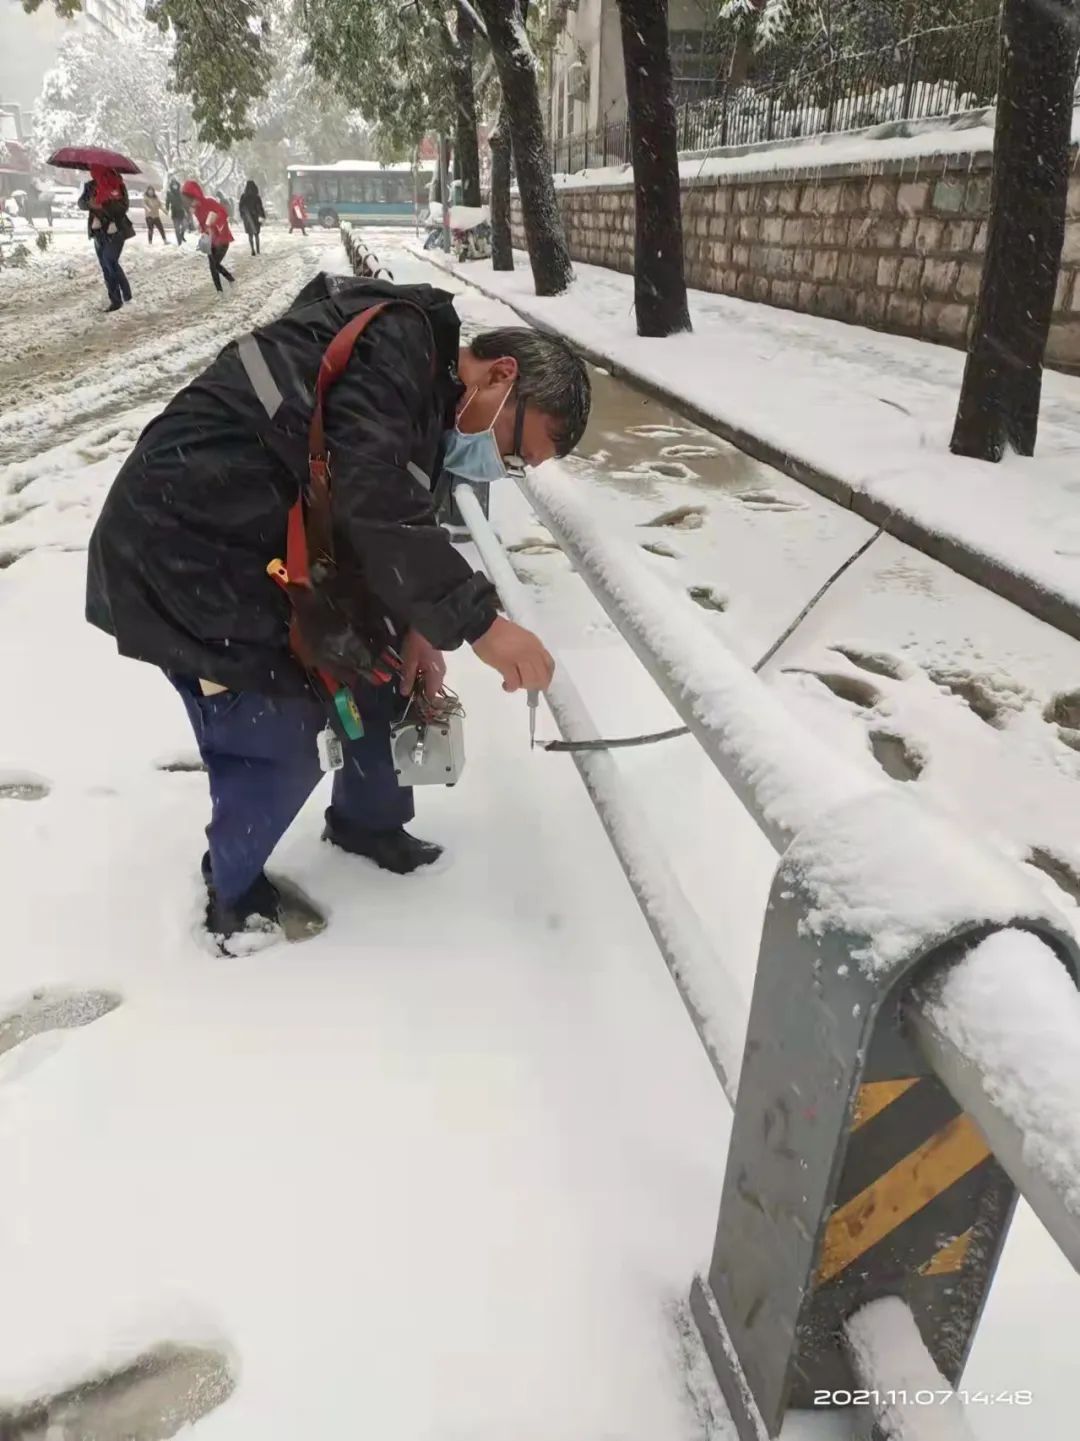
(64, 363)
(447, 1170)
(874, 411)
(907, 668)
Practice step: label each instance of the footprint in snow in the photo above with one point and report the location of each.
(991, 701)
(1064, 876)
(876, 662)
(1063, 709)
(22, 786)
(657, 470)
(683, 517)
(708, 597)
(688, 452)
(767, 500)
(186, 764)
(53, 1010)
(165, 1389)
(661, 432)
(844, 687)
(896, 757)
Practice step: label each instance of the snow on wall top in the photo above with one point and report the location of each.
(863, 148)
(972, 134)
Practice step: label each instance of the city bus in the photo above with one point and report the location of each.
(361, 190)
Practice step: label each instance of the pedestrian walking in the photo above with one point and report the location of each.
(213, 221)
(298, 216)
(152, 206)
(252, 213)
(43, 202)
(182, 560)
(105, 199)
(174, 202)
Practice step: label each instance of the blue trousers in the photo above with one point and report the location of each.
(108, 249)
(260, 754)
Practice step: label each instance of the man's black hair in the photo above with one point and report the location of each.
(551, 376)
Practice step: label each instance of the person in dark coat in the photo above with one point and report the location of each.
(178, 561)
(174, 201)
(252, 214)
(105, 199)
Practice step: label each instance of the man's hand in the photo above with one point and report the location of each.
(517, 655)
(419, 657)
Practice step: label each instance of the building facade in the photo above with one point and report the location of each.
(586, 80)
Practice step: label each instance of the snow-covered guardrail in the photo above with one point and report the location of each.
(363, 261)
(894, 1090)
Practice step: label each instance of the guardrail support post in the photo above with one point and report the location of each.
(852, 1174)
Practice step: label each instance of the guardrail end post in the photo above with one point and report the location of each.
(852, 1173)
(725, 1363)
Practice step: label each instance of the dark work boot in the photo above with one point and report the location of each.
(393, 850)
(265, 911)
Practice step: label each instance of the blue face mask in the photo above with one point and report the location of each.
(473, 457)
(476, 457)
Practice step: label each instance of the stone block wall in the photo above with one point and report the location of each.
(899, 248)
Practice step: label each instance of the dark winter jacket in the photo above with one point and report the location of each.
(177, 565)
(251, 207)
(112, 213)
(175, 201)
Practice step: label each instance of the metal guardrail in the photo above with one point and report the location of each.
(880, 1137)
(941, 71)
(848, 1081)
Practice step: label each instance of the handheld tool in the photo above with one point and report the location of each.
(533, 698)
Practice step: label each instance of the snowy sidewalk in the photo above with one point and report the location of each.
(445, 1171)
(861, 416)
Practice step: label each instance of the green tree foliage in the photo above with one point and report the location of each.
(222, 60)
(389, 60)
(808, 30)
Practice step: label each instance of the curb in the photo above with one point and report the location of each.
(1014, 586)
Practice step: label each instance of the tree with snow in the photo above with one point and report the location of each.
(999, 402)
(408, 66)
(101, 93)
(549, 254)
(659, 277)
(502, 249)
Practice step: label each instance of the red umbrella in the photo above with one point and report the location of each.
(81, 157)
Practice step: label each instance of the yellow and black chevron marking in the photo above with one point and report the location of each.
(919, 1148)
(920, 1211)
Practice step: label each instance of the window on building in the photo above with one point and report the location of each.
(697, 64)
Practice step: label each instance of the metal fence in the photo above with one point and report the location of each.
(935, 73)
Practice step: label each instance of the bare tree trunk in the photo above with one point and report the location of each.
(502, 248)
(999, 401)
(659, 279)
(516, 64)
(442, 167)
(743, 53)
(466, 147)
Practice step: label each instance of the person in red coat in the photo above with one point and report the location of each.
(298, 216)
(213, 221)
